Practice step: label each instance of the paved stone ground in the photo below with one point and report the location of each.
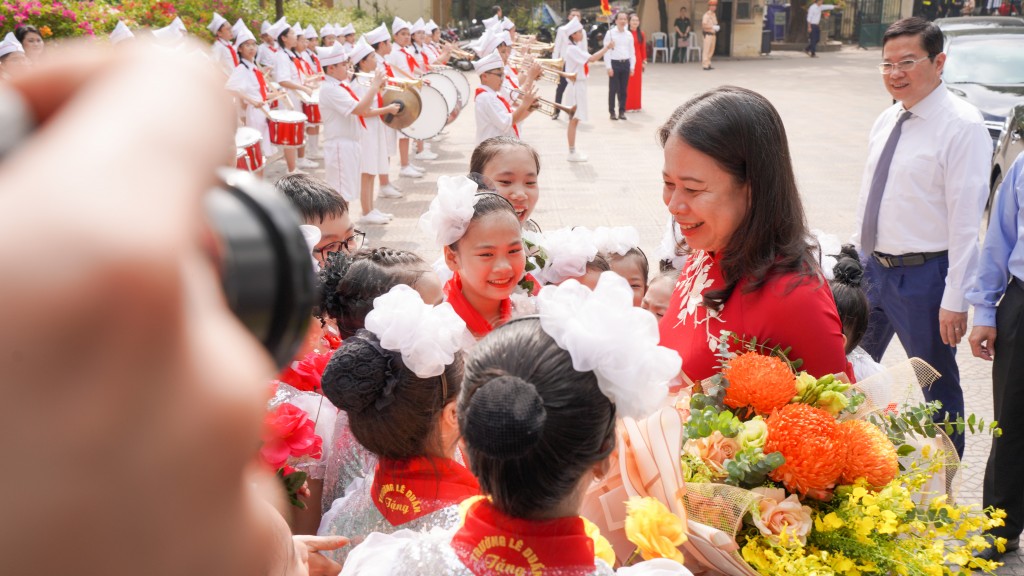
(828, 104)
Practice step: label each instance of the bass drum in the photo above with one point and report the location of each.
(448, 90)
(433, 116)
(460, 81)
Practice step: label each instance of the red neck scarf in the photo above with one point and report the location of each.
(262, 81)
(300, 65)
(316, 61)
(388, 70)
(426, 61)
(404, 490)
(491, 543)
(409, 60)
(480, 91)
(234, 54)
(354, 97)
(272, 48)
(475, 321)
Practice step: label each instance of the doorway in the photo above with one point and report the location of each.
(723, 44)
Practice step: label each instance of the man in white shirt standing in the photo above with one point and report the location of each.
(621, 62)
(813, 28)
(921, 201)
(561, 39)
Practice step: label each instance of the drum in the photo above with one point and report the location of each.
(249, 140)
(311, 108)
(241, 160)
(433, 115)
(448, 90)
(460, 81)
(287, 128)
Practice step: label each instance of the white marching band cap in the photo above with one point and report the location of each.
(334, 55)
(237, 28)
(328, 30)
(399, 24)
(377, 35)
(430, 26)
(311, 32)
(348, 29)
(179, 24)
(265, 27)
(360, 50)
(418, 26)
(490, 22)
(278, 28)
(490, 62)
(10, 45)
(168, 34)
(495, 41)
(120, 33)
(507, 24)
(216, 23)
(243, 35)
(297, 28)
(573, 27)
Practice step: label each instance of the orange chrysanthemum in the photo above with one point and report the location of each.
(869, 454)
(764, 383)
(812, 444)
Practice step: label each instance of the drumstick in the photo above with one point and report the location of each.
(265, 110)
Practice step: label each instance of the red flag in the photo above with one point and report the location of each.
(605, 8)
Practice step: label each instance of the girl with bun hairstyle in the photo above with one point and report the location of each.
(483, 247)
(397, 381)
(852, 304)
(537, 413)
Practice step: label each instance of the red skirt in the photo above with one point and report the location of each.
(635, 88)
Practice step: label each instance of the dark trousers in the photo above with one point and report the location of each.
(562, 83)
(905, 302)
(812, 42)
(617, 85)
(1003, 488)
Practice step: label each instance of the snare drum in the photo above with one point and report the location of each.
(311, 108)
(287, 128)
(249, 140)
(241, 160)
(433, 115)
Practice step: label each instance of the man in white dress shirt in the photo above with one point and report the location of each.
(621, 62)
(921, 201)
(813, 29)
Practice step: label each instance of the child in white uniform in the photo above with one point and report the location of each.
(494, 113)
(405, 66)
(577, 60)
(250, 87)
(291, 71)
(223, 53)
(374, 158)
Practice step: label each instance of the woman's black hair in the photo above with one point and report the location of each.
(743, 133)
(348, 284)
(851, 300)
(488, 202)
(280, 38)
(533, 425)
(24, 30)
(391, 411)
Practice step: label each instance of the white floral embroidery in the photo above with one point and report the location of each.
(692, 284)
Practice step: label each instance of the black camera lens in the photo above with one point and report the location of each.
(265, 265)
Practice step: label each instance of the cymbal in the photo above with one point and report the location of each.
(411, 103)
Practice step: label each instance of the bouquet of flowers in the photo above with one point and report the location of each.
(289, 438)
(809, 475)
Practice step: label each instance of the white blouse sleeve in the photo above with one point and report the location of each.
(237, 82)
(377, 555)
(284, 69)
(493, 112)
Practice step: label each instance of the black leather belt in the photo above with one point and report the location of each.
(904, 260)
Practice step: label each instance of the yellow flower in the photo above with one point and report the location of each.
(602, 548)
(655, 530)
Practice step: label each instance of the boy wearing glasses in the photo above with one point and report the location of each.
(921, 202)
(324, 208)
(494, 113)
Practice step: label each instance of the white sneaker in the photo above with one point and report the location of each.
(577, 157)
(378, 212)
(410, 172)
(426, 155)
(389, 191)
(293, 172)
(374, 217)
(305, 163)
(314, 153)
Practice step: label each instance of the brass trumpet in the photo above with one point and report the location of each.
(546, 107)
(397, 84)
(533, 47)
(551, 68)
(458, 52)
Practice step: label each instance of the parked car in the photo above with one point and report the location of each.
(1011, 145)
(959, 25)
(987, 70)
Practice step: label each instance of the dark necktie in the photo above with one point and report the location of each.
(869, 228)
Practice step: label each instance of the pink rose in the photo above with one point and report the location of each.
(777, 512)
(713, 450)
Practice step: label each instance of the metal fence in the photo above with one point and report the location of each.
(871, 19)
